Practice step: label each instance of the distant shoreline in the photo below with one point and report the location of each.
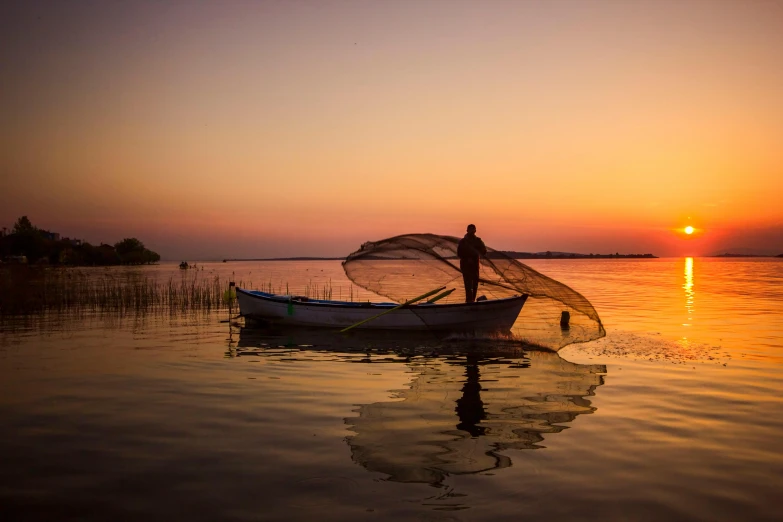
(745, 255)
(517, 255)
(306, 258)
(569, 255)
(511, 254)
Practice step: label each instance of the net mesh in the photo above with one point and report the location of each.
(402, 267)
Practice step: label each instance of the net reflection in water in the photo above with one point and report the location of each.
(450, 420)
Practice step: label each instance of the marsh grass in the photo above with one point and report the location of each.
(29, 291)
(311, 289)
(26, 290)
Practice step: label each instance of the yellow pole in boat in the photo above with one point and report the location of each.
(441, 296)
(406, 303)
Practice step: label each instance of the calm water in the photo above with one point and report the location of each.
(676, 415)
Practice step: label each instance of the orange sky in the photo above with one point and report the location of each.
(245, 129)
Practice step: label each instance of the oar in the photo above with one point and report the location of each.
(406, 303)
(441, 296)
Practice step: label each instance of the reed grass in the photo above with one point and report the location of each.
(33, 291)
(311, 290)
(29, 291)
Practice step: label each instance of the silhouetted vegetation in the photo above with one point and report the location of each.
(567, 255)
(27, 243)
(31, 290)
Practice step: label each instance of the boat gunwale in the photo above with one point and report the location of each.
(276, 298)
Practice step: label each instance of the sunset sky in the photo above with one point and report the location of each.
(264, 129)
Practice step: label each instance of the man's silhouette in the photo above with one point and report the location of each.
(470, 250)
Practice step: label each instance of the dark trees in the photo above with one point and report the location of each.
(23, 226)
(41, 246)
(133, 252)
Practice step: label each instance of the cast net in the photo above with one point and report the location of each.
(402, 267)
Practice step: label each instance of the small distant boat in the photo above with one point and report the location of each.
(489, 315)
(19, 260)
(184, 265)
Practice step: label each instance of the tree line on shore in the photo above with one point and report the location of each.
(41, 246)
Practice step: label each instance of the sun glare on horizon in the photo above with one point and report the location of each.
(689, 230)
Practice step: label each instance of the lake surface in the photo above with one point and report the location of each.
(677, 414)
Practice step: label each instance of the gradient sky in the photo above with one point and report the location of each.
(262, 129)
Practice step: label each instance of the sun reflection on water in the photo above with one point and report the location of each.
(688, 287)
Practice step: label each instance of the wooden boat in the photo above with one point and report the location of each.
(490, 315)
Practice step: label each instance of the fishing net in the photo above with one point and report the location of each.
(402, 267)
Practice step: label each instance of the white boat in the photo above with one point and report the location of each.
(490, 315)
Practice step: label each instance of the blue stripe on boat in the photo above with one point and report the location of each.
(285, 298)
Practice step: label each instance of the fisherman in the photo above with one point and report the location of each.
(470, 250)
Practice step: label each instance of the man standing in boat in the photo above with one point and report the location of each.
(470, 250)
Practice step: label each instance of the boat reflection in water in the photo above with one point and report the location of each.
(467, 402)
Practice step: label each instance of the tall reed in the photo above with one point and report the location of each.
(29, 291)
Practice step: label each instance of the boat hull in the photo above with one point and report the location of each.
(496, 315)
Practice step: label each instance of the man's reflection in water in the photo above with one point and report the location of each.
(444, 421)
(470, 408)
(447, 422)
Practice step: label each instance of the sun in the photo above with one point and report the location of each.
(688, 230)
